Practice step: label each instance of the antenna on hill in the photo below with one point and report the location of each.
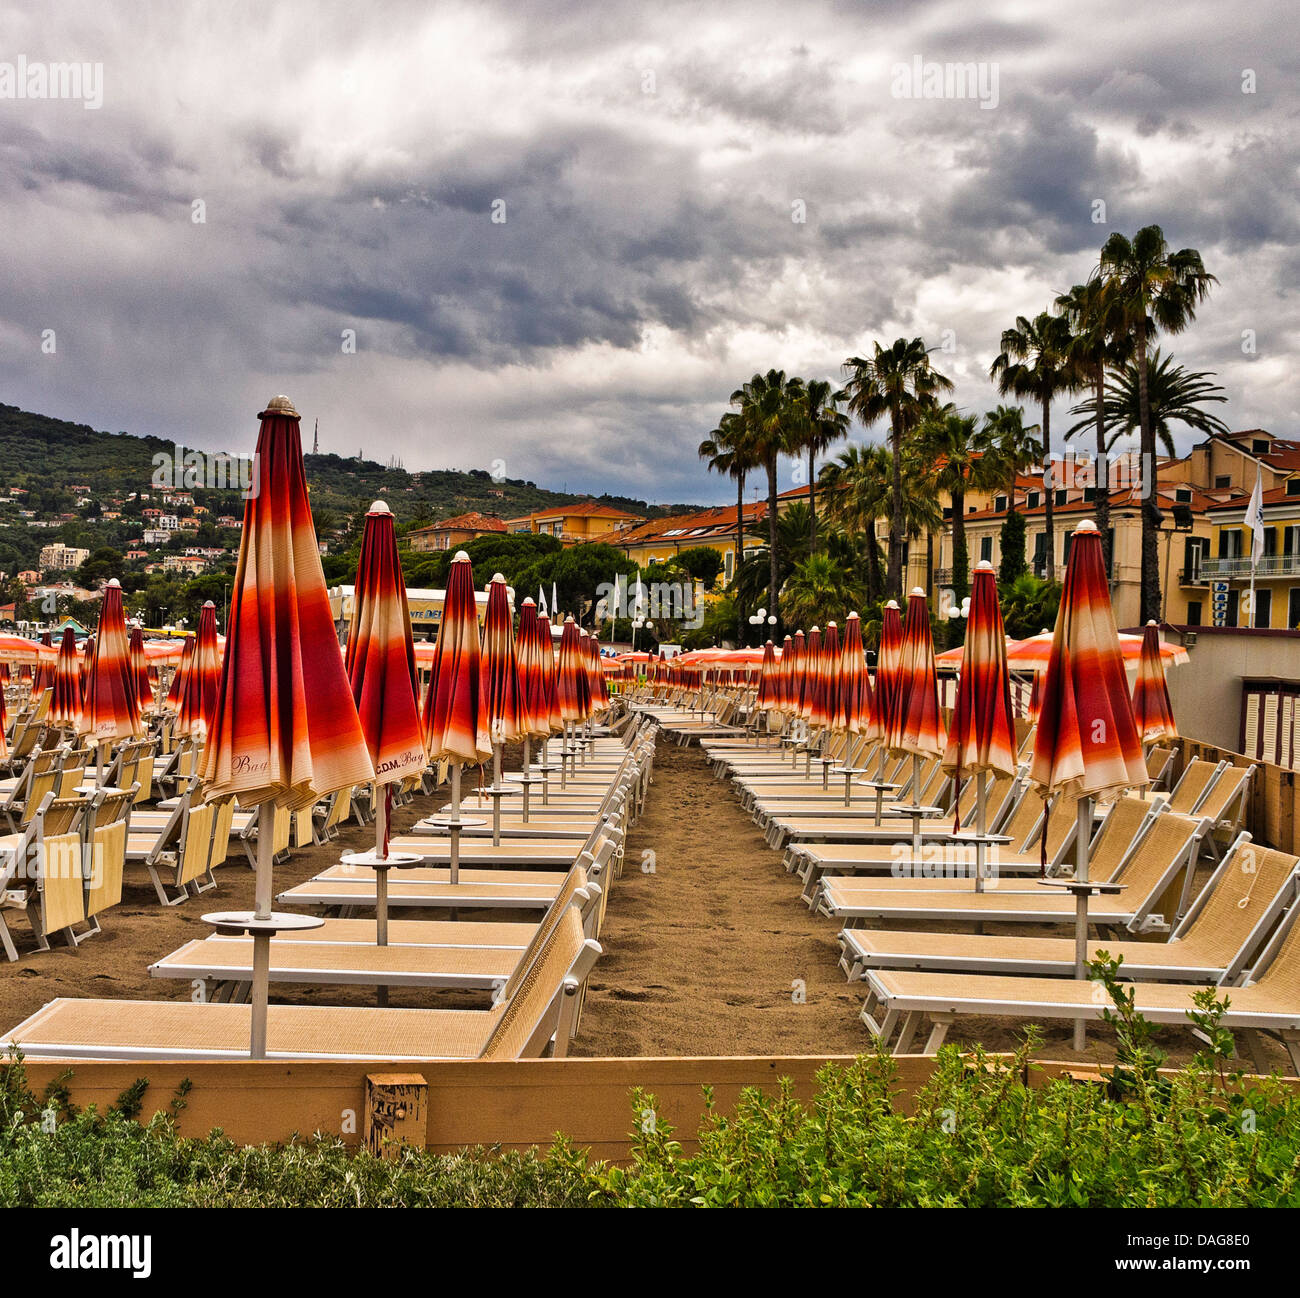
(315, 439)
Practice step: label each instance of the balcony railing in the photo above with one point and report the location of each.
(1270, 565)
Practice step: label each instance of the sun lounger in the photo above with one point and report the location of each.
(1231, 917)
(224, 965)
(538, 1019)
(1266, 1001)
(1153, 864)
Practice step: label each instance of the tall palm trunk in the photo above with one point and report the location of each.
(894, 583)
(1049, 521)
(929, 566)
(960, 579)
(873, 563)
(1103, 473)
(773, 567)
(1150, 510)
(812, 501)
(740, 551)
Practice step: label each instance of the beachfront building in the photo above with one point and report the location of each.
(585, 521)
(661, 539)
(452, 533)
(1224, 573)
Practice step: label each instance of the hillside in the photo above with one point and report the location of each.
(45, 456)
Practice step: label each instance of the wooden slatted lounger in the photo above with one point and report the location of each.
(1268, 1002)
(228, 961)
(897, 868)
(537, 1019)
(1166, 850)
(1232, 915)
(1013, 872)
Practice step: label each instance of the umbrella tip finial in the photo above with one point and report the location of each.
(280, 405)
(207, 603)
(113, 581)
(498, 576)
(918, 590)
(893, 603)
(379, 507)
(984, 565)
(460, 557)
(1087, 525)
(1152, 622)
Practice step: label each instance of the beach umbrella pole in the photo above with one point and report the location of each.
(981, 825)
(496, 795)
(916, 804)
(880, 784)
(261, 936)
(527, 775)
(1081, 853)
(454, 827)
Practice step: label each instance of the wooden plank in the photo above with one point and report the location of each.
(397, 1112)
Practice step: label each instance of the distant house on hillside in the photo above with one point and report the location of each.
(584, 521)
(450, 533)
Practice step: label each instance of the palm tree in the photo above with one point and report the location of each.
(1011, 446)
(729, 449)
(899, 382)
(820, 423)
(1154, 289)
(856, 487)
(1175, 396)
(820, 590)
(754, 576)
(1098, 342)
(1035, 362)
(768, 405)
(958, 451)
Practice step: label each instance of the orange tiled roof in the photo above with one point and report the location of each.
(470, 522)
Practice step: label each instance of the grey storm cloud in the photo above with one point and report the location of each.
(256, 184)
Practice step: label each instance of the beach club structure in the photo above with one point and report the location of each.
(970, 847)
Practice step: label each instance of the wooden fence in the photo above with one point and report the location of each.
(1273, 809)
(515, 1105)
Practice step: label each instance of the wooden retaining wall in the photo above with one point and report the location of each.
(514, 1105)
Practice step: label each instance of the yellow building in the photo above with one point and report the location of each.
(588, 520)
(1226, 569)
(661, 539)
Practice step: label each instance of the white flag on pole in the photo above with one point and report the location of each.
(1255, 521)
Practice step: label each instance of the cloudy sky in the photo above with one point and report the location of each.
(352, 164)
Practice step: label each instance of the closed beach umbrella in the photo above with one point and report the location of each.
(1086, 743)
(499, 669)
(781, 697)
(826, 700)
(43, 676)
(768, 686)
(921, 732)
(534, 706)
(178, 680)
(379, 660)
(109, 711)
(1153, 714)
(982, 733)
(499, 665)
(139, 670)
(87, 656)
(889, 658)
(198, 699)
(572, 686)
(547, 662)
(808, 676)
(455, 715)
(855, 709)
(285, 730)
(65, 702)
(380, 664)
(455, 718)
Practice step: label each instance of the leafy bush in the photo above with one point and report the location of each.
(93, 1160)
(980, 1136)
(984, 1131)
